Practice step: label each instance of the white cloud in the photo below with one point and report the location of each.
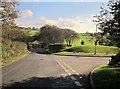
(72, 23)
(75, 24)
(44, 21)
(27, 13)
(27, 23)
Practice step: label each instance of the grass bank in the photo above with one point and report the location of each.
(12, 50)
(14, 59)
(85, 49)
(106, 77)
(88, 47)
(31, 32)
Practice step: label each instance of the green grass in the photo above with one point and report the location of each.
(106, 77)
(90, 50)
(31, 32)
(88, 40)
(14, 59)
(88, 47)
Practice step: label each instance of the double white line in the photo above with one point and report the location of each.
(66, 68)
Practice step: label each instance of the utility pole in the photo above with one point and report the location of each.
(96, 20)
(95, 40)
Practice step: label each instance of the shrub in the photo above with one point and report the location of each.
(77, 49)
(82, 42)
(12, 49)
(115, 60)
(56, 47)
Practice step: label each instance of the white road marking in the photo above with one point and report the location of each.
(66, 70)
(78, 84)
(69, 67)
(73, 78)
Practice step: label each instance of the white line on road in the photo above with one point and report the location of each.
(69, 67)
(60, 62)
(78, 84)
(73, 78)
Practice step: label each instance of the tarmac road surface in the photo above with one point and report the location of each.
(50, 71)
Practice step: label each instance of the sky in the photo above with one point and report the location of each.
(76, 16)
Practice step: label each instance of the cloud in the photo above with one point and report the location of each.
(28, 23)
(27, 13)
(76, 24)
(44, 21)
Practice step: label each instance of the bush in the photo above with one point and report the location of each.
(106, 77)
(12, 49)
(115, 60)
(56, 47)
(77, 49)
(82, 42)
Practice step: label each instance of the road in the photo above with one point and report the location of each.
(50, 71)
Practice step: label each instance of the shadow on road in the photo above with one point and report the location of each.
(62, 82)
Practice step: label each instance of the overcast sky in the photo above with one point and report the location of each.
(74, 15)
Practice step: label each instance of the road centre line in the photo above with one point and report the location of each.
(61, 65)
(78, 84)
(69, 74)
(69, 67)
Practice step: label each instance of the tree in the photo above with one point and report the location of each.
(51, 35)
(11, 35)
(70, 35)
(111, 26)
(8, 12)
(82, 42)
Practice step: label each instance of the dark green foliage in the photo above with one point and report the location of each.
(56, 47)
(112, 26)
(77, 49)
(50, 35)
(105, 41)
(115, 60)
(106, 77)
(82, 42)
(53, 34)
(15, 34)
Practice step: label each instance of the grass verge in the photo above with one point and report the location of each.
(8, 62)
(101, 50)
(106, 77)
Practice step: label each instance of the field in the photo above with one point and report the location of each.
(106, 77)
(31, 32)
(88, 40)
(88, 47)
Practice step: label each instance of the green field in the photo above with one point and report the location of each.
(106, 77)
(88, 40)
(31, 32)
(88, 47)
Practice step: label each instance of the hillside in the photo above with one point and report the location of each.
(89, 47)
